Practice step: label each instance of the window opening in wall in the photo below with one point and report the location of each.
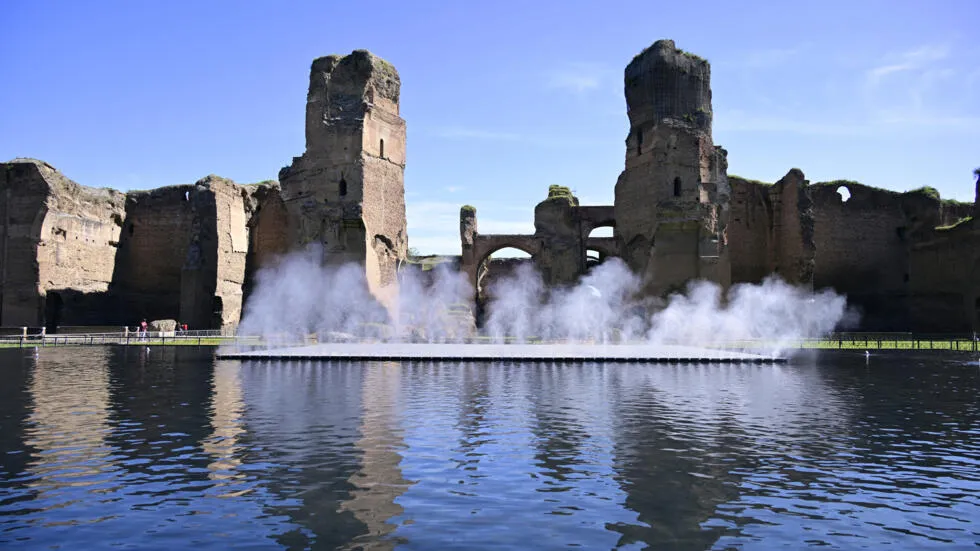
(639, 141)
(677, 187)
(844, 193)
(343, 187)
(900, 232)
(132, 228)
(381, 148)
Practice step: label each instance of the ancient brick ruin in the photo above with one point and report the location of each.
(80, 256)
(73, 255)
(347, 191)
(906, 261)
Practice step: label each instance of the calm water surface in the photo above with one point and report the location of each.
(165, 449)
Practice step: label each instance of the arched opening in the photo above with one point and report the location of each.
(677, 187)
(501, 265)
(593, 258)
(381, 149)
(598, 245)
(844, 193)
(187, 196)
(343, 186)
(53, 306)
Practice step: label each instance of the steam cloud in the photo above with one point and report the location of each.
(299, 296)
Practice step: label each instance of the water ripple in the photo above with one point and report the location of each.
(113, 447)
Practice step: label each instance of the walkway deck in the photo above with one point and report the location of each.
(502, 352)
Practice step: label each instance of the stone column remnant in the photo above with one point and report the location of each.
(346, 193)
(672, 199)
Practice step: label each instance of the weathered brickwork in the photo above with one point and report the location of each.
(347, 192)
(771, 230)
(58, 241)
(672, 199)
(73, 255)
(82, 256)
(945, 280)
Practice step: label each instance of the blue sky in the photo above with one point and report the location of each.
(501, 98)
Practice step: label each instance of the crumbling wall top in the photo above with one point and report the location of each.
(665, 82)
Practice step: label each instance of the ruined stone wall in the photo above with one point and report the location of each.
(153, 247)
(346, 192)
(672, 198)
(23, 194)
(750, 230)
(862, 247)
(60, 242)
(945, 280)
(214, 271)
(557, 225)
(792, 251)
(268, 225)
(951, 212)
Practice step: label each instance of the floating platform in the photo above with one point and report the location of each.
(532, 353)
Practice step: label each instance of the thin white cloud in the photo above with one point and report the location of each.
(579, 77)
(452, 189)
(576, 82)
(881, 123)
(907, 61)
(456, 132)
(769, 58)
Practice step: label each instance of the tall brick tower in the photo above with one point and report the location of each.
(347, 191)
(672, 198)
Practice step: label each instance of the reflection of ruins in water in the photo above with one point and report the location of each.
(68, 424)
(687, 435)
(379, 482)
(15, 402)
(223, 444)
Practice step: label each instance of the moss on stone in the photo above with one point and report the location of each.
(695, 57)
(955, 224)
(838, 183)
(955, 203)
(555, 190)
(928, 191)
(467, 209)
(748, 180)
(562, 193)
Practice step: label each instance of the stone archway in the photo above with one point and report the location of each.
(592, 217)
(485, 245)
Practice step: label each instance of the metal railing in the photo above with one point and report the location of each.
(199, 338)
(841, 341)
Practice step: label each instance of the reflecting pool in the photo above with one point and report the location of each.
(102, 448)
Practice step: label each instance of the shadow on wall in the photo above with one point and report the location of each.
(72, 307)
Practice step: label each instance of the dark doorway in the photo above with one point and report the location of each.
(217, 312)
(976, 307)
(677, 187)
(53, 305)
(343, 187)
